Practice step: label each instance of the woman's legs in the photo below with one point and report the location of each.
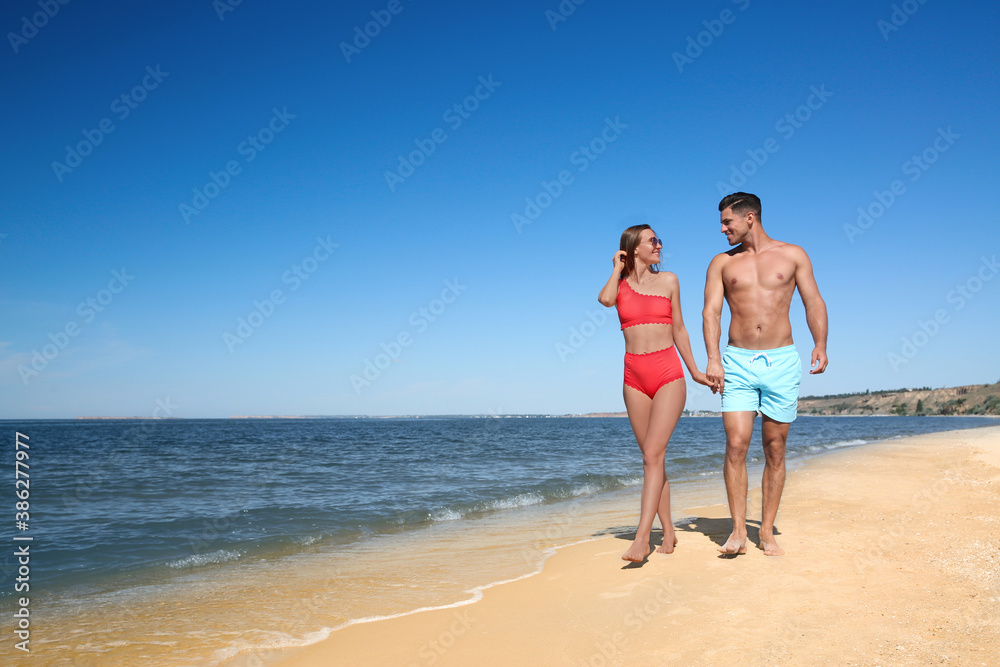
(653, 421)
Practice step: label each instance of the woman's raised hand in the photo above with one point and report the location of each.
(619, 261)
(609, 293)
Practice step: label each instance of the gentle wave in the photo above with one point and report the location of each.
(552, 493)
(197, 560)
(846, 443)
(835, 445)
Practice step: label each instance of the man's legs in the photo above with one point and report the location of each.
(739, 429)
(774, 435)
(778, 406)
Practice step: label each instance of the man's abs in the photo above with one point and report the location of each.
(760, 321)
(760, 335)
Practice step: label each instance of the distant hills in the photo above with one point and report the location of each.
(973, 399)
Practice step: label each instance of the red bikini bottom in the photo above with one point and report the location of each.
(649, 372)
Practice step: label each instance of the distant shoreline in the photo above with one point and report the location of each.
(589, 415)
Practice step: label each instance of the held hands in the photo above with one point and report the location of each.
(701, 378)
(819, 361)
(716, 376)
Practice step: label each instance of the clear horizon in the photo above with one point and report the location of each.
(517, 414)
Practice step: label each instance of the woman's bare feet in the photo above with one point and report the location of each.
(736, 544)
(637, 552)
(669, 542)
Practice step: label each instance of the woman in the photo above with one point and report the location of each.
(649, 309)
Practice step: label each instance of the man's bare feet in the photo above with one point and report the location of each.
(637, 552)
(734, 545)
(770, 545)
(663, 548)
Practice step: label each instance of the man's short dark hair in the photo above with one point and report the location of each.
(742, 202)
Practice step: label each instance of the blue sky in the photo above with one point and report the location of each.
(170, 170)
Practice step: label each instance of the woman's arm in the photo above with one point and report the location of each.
(609, 293)
(681, 339)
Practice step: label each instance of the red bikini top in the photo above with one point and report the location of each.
(634, 308)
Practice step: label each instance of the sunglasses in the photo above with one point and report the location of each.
(655, 241)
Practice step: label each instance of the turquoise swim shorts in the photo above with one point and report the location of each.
(762, 380)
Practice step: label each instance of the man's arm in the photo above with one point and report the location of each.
(815, 310)
(711, 323)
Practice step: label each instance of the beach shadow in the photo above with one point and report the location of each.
(718, 530)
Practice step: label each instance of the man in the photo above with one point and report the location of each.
(760, 370)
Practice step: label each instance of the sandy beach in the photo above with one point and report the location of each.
(890, 560)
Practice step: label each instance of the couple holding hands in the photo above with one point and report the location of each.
(758, 371)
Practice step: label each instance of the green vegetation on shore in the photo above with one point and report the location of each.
(976, 399)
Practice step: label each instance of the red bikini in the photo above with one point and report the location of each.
(634, 308)
(647, 372)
